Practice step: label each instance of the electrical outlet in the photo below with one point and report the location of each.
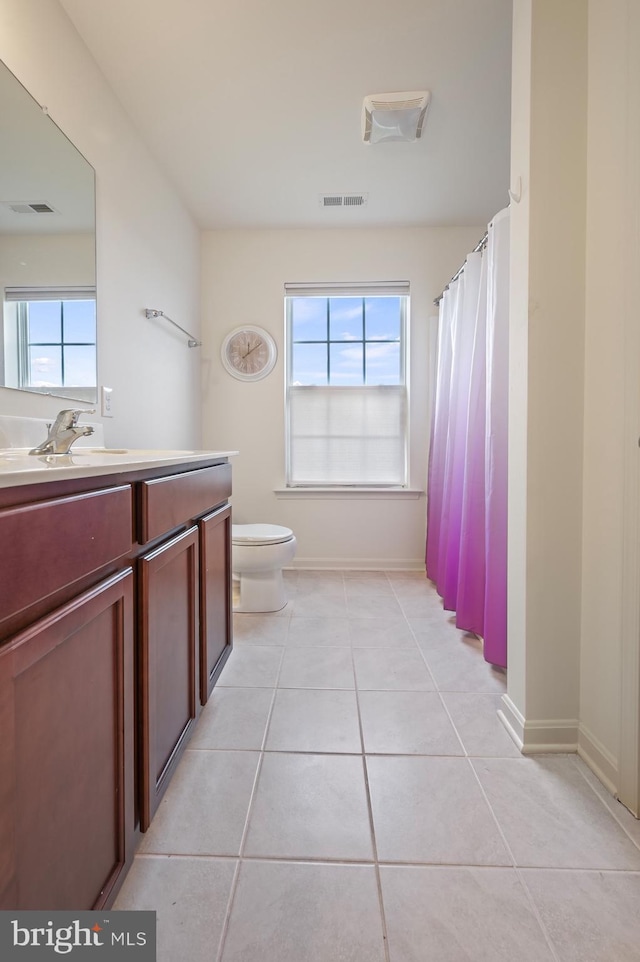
(106, 402)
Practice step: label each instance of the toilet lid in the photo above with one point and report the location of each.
(260, 534)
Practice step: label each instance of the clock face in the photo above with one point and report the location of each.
(249, 353)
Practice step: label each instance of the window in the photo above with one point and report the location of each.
(346, 386)
(55, 337)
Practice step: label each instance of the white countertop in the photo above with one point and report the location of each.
(17, 466)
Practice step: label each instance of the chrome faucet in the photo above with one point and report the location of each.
(63, 432)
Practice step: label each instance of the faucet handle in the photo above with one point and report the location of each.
(78, 411)
(68, 418)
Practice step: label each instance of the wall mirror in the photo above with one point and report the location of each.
(47, 253)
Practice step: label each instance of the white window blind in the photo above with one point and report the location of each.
(347, 435)
(352, 434)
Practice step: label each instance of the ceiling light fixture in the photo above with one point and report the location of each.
(394, 117)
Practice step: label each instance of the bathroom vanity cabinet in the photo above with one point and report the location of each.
(115, 621)
(185, 613)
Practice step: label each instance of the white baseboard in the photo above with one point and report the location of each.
(512, 720)
(599, 759)
(534, 737)
(359, 564)
(538, 736)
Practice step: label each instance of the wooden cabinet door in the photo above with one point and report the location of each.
(67, 753)
(168, 662)
(215, 597)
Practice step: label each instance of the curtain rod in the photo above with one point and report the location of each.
(479, 247)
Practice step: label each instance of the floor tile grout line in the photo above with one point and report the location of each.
(227, 915)
(440, 694)
(493, 814)
(454, 726)
(408, 623)
(352, 754)
(236, 874)
(446, 710)
(443, 691)
(402, 606)
(245, 830)
(263, 746)
(525, 888)
(537, 915)
(392, 592)
(399, 863)
(386, 863)
(370, 804)
(611, 811)
(374, 847)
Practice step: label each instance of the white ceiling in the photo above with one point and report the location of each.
(252, 107)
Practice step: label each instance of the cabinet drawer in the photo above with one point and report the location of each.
(49, 545)
(167, 503)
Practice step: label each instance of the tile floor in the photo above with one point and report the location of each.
(351, 796)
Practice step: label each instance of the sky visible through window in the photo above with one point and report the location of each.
(346, 341)
(62, 343)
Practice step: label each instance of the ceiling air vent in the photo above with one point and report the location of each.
(343, 200)
(18, 207)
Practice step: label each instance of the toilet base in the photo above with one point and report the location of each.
(260, 591)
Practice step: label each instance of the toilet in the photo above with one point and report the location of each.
(259, 553)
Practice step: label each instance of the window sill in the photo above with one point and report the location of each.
(348, 494)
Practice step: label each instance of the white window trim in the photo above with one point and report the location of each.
(337, 491)
(331, 493)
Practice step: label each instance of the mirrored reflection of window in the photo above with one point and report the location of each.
(54, 333)
(47, 240)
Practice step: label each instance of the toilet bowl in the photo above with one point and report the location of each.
(259, 552)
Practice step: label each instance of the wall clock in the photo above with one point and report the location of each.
(249, 353)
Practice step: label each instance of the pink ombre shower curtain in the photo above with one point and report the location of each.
(471, 565)
(467, 487)
(461, 355)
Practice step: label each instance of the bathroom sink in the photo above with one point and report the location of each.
(101, 451)
(17, 466)
(135, 453)
(12, 454)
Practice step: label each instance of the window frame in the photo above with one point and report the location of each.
(399, 289)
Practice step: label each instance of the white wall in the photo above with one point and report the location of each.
(518, 354)
(611, 432)
(243, 277)
(574, 506)
(547, 370)
(147, 244)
